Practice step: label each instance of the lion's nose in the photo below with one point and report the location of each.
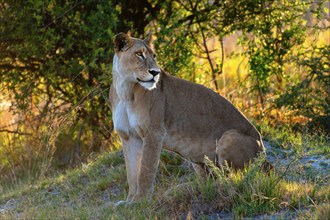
(154, 72)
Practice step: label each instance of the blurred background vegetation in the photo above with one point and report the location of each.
(270, 58)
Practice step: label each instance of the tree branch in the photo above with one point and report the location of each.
(209, 57)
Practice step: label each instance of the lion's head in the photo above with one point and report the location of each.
(135, 60)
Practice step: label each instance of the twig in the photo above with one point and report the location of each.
(285, 171)
(63, 14)
(221, 65)
(14, 132)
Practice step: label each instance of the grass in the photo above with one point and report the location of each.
(90, 191)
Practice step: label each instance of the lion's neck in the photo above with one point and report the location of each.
(124, 88)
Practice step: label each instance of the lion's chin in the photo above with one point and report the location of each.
(150, 85)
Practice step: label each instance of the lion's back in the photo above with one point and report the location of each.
(195, 109)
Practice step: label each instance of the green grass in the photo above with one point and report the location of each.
(90, 191)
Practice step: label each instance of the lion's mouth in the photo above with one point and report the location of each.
(147, 81)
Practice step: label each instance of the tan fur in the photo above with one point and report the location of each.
(174, 114)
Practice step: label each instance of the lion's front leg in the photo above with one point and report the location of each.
(149, 163)
(132, 148)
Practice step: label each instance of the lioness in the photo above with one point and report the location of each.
(152, 109)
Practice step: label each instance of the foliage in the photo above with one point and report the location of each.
(311, 96)
(54, 66)
(276, 47)
(55, 57)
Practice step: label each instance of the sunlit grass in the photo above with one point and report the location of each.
(284, 137)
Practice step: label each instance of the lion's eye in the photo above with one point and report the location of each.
(154, 56)
(140, 55)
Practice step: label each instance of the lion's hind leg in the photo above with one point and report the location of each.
(237, 149)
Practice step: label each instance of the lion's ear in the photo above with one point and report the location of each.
(121, 42)
(149, 39)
